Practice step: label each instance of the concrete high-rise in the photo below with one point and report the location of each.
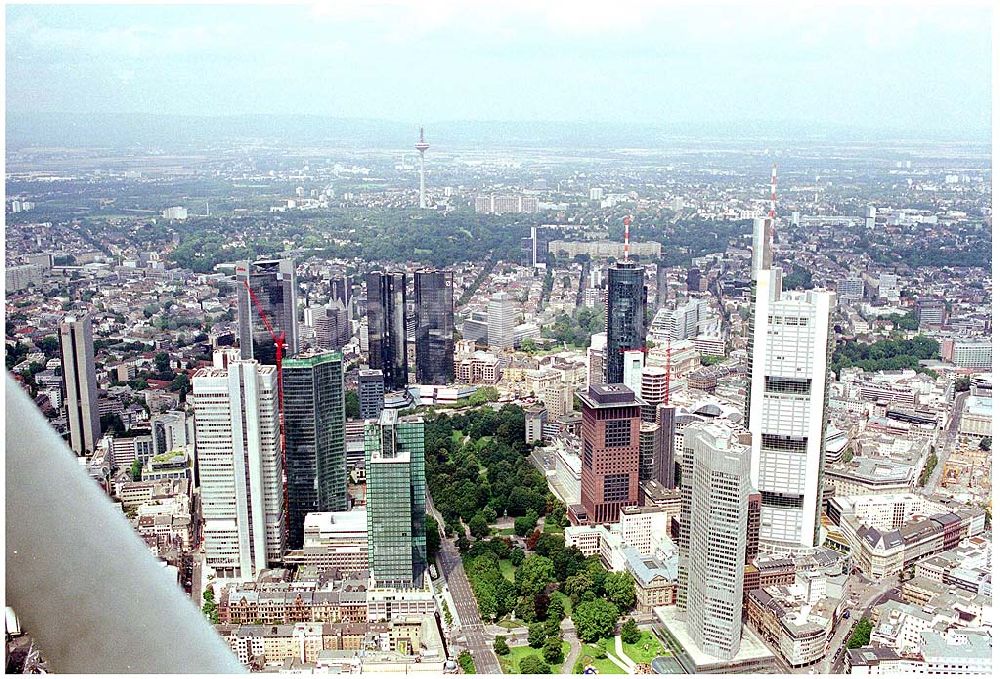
(76, 344)
(315, 452)
(274, 285)
(332, 326)
(396, 500)
(387, 327)
(422, 147)
(788, 373)
(653, 391)
(716, 492)
(529, 249)
(371, 393)
(500, 321)
(435, 331)
(597, 358)
(609, 475)
(626, 314)
(239, 463)
(664, 468)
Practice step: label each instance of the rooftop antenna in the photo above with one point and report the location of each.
(626, 222)
(774, 200)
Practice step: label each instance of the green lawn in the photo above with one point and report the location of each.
(509, 624)
(503, 531)
(567, 604)
(644, 650)
(588, 654)
(552, 528)
(507, 568)
(510, 663)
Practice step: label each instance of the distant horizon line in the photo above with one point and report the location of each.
(448, 121)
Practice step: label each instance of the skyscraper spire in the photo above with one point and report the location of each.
(626, 222)
(774, 200)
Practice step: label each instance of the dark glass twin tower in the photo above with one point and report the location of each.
(435, 327)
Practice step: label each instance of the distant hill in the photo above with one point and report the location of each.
(120, 130)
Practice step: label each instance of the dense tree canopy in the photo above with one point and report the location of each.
(595, 619)
(885, 354)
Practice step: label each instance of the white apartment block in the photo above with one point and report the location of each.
(788, 377)
(239, 462)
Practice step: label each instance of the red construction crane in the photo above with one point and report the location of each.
(666, 395)
(279, 346)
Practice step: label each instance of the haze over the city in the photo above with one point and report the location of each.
(736, 67)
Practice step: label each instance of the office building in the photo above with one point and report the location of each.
(274, 289)
(315, 456)
(713, 541)
(371, 393)
(239, 463)
(626, 315)
(500, 323)
(529, 249)
(931, 312)
(597, 358)
(170, 431)
(609, 477)
(387, 327)
(888, 287)
(341, 289)
(435, 332)
(76, 344)
(396, 501)
(788, 359)
(664, 469)
(332, 326)
(633, 362)
(653, 391)
(334, 540)
(850, 289)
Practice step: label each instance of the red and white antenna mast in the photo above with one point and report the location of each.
(774, 200)
(626, 222)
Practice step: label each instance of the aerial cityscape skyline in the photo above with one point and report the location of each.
(684, 368)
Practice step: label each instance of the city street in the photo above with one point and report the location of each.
(467, 610)
(868, 595)
(946, 443)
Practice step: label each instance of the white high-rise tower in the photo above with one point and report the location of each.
(422, 146)
(788, 372)
(239, 461)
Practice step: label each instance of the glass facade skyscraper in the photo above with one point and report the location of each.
(315, 452)
(273, 283)
(435, 335)
(371, 393)
(396, 500)
(387, 327)
(626, 316)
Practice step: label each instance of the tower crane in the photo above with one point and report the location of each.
(279, 347)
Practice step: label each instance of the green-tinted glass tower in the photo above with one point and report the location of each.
(315, 453)
(396, 500)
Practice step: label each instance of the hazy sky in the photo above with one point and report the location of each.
(902, 65)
